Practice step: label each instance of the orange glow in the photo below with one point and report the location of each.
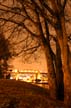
(29, 76)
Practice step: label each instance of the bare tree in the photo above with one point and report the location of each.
(31, 24)
(5, 55)
(23, 17)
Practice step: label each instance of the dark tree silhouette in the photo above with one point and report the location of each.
(5, 54)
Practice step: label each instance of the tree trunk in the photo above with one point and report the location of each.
(51, 71)
(59, 73)
(49, 59)
(62, 39)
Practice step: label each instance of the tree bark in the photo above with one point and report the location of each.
(49, 59)
(51, 71)
(59, 73)
(62, 39)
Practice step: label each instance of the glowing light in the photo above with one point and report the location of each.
(29, 75)
(11, 77)
(17, 77)
(15, 70)
(39, 76)
(21, 71)
(24, 70)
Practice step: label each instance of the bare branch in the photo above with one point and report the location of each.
(64, 4)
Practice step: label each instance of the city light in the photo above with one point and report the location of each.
(29, 76)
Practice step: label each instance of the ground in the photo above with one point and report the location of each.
(17, 94)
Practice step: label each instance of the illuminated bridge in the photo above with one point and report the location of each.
(33, 76)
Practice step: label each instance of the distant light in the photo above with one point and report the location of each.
(20, 77)
(17, 77)
(15, 70)
(28, 70)
(11, 77)
(24, 70)
(21, 71)
(39, 76)
(36, 71)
